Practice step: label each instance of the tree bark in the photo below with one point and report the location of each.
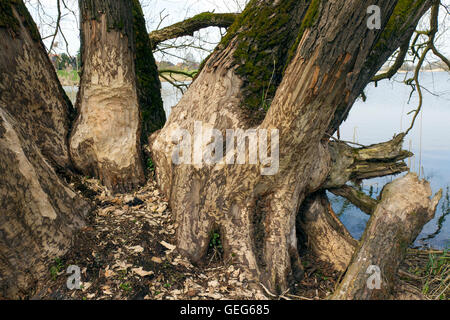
(327, 239)
(311, 79)
(39, 211)
(153, 116)
(219, 95)
(400, 27)
(119, 97)
(404, 209)
(191, 25)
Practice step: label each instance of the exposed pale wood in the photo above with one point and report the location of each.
(404, 209)
(326, 237)
(256, 214)
(356, 164)
(39, 212)
(105, 141)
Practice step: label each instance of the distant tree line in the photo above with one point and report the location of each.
(63, 61)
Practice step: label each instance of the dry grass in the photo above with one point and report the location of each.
(428, 271)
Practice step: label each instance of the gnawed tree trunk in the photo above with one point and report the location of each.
(404, 209)
(326, 237)
(216, 98)
(39, 211)
(116, 93)
(292, 57)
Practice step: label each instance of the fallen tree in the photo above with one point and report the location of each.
(405, 207)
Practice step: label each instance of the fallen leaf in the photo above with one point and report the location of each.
(141, 272)
(156, 260)
(109, 273)
(137, 249)
(169, 246)
(106, 290)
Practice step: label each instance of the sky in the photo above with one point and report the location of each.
(169, 11)
(159, 14)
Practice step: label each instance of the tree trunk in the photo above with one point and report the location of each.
(219, 93)
(312, 72)
(404, 209)
(153, 116)
(119, 88)
(39, 211)
(326, 237)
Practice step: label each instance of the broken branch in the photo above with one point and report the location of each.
(404, 209)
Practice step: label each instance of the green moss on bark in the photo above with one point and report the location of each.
(263, 36)
(310, 19)
(396, 26)
(148, 83)
(9, 21)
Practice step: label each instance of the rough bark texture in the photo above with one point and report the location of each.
(404, 209)
(326, 237)
(40, 104)
(191, 25)
(262, 37)
(357, 198)
(256, 214)
(39, 211)
(357, 164)
(105, 142)
(400, 27)
(153, 116)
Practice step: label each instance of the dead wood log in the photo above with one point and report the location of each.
(405, 207)
(358, 198)
(356, 164)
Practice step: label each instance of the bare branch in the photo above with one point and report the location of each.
(189, 26)
(358, 198)
(397, 64)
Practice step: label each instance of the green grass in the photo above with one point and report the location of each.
(68, 75)
(125, 287)
(437, 276)
(430, 272)
(56, 268)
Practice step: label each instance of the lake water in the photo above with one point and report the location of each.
(384, 114)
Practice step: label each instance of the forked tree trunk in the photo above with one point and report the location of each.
(404, 209)
(39, 211)
(305, 85)
(119, 89)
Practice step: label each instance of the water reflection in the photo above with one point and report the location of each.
(384, 114)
